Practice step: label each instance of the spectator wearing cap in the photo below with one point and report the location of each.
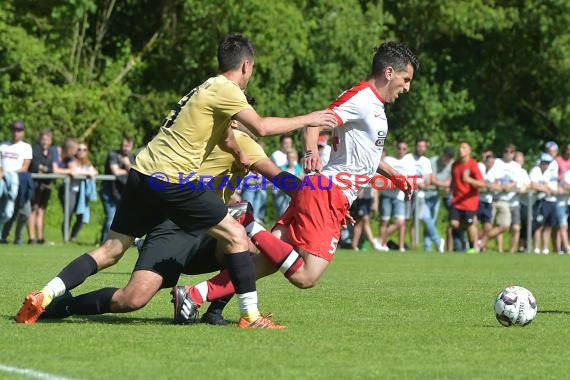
(16, 157)
(544, 180)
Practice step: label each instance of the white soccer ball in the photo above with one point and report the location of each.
(515, 305)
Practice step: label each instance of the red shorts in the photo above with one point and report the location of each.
(314, 216)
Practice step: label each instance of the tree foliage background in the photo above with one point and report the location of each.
(492, 72)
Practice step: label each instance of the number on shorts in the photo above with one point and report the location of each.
(334, 243)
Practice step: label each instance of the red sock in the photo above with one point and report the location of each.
(278, 252)
(218, 286)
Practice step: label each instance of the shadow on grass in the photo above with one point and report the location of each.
(554, 312)
(101, 319)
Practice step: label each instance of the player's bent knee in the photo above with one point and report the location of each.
(303, 282)
(127, 301)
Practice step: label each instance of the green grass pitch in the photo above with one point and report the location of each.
(372, 316)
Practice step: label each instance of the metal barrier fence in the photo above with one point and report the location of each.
(67, 186)
(67, 189)
(530, 194)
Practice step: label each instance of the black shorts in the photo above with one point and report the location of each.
(485, 212)
(170, 251)
(544, 214)
(42, 195)
(465, 218)
(361, 207)
(147, 202)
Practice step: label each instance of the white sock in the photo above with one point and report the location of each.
(253, 228)
(247, 303)
(203, 290)
(56, 287)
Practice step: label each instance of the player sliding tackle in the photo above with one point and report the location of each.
(304, 239)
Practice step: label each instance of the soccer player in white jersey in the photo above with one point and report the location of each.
(304, 239)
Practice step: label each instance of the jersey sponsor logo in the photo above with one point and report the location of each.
(381, 138)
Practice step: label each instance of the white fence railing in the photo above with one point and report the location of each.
(417, 217)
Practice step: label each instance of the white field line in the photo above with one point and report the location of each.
(31, 373)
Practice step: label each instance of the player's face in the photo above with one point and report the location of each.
(400, 81)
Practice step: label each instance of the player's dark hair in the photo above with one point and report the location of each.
(394, 54)
(232, 50)
(283, 137)
(422, 139)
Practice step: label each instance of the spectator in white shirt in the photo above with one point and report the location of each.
(544, 180)
(16, 157)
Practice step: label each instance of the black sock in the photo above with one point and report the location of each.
(93, 303)
(77, 271)
(242, 271)
(218, 305)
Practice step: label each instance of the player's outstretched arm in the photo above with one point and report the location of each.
(229, 144)
(271, 126)
(285, 181)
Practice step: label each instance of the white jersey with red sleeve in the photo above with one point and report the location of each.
(358, 141)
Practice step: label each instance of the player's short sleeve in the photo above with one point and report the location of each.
(230, 100)
(251, 148)
(347, 107)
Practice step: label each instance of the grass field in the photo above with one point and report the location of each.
(372, 316)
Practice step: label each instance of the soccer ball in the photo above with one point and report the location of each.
(515, 305)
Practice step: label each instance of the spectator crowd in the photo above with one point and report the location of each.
(24, 197)
(485, 201)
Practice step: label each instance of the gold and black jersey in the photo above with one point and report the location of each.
(192, 129)
(222, 172)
